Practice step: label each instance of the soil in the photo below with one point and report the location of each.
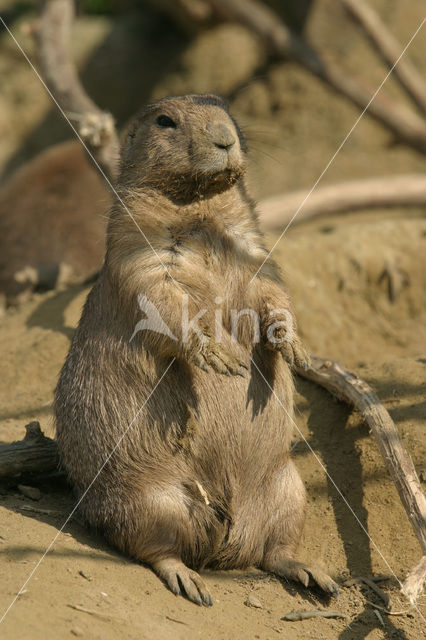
(357, 282)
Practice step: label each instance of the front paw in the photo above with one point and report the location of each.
(295, 353)
(209, 353)
(280, 335)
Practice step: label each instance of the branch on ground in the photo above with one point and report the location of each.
(34, 454)
(346, 386)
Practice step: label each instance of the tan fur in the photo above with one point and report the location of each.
(51, 214)
(203, 474)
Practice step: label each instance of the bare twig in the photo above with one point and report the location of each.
(175, 620)
(348, 387)
(389, 49)
(360, 580)
(90, 612)
(392, 191)
(44, 512)
(382, 595)
(95, 126)
(282, 43)
(294, 616)
(388, 611)
(379, 617)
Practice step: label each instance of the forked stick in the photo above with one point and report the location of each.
(393, 191)
(348, 387)
(96, 127)
(389, 49)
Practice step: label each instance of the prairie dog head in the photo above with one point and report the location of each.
(187, 147)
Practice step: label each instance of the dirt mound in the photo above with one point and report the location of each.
(358, 284)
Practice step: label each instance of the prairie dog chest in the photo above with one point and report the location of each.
(216, 244)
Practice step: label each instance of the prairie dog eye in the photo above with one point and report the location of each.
(165, 121)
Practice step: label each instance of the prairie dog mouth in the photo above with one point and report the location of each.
(228, 174)
(222, 162)
(185, 188)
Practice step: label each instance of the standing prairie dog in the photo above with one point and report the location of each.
(202, 476)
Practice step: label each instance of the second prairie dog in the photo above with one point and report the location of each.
(52, 218)
(193, 433)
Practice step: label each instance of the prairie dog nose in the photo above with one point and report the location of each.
(222, 135)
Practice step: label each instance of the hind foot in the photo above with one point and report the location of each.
(306, 574)
(183, 581)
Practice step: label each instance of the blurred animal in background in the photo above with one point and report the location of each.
(51, 222)
(51, 210)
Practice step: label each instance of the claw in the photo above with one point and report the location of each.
(287, 353)
(200, 362)
(208, 600)
(183, 581)
(301, 572)
(303, 577)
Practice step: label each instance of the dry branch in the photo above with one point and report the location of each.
(348, 387)
(392, 191)
(34, 454)
(96, 127)
(389, 612)
(282, 43)
(389, 49)
(295, 616)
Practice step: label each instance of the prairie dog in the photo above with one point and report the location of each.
(52, 214)
(202, 476)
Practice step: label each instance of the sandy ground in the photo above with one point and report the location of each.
(126, 600)
(337, 270)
